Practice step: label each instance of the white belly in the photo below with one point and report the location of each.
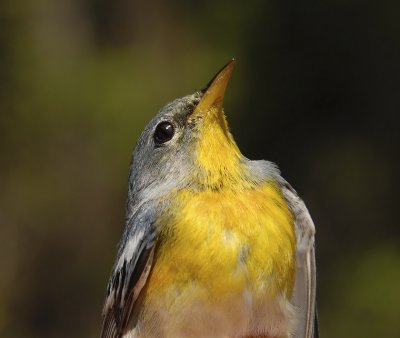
(238, 316)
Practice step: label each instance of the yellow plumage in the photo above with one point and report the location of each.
(233, 236)
(246, 235)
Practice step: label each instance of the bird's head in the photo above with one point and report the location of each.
(188, 144)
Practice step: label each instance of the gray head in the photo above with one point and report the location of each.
(162, 156)
(188, 144)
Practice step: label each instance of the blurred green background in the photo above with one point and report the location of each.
(316, 90)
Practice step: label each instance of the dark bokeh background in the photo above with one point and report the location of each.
(316, 89)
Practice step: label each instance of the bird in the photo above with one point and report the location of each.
(215, 245)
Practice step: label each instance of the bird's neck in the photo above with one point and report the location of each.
(219, 161)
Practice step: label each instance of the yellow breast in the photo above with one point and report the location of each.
(224, 242)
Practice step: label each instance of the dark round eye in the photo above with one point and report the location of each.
(164, 132)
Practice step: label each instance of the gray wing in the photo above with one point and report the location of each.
(130, 272)
(304, 296)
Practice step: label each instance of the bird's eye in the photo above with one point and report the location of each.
(164, 132)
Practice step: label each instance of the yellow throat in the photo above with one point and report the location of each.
(233, 234)
(218, 156)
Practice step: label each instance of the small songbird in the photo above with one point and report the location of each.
(215, 245)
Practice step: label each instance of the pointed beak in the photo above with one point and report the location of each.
(213, 95)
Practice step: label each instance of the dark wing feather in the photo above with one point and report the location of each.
(316, 329)
(130, 272)
(305, 284)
